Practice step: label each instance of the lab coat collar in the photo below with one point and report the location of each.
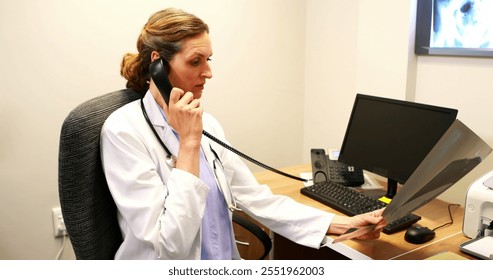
(153, 110)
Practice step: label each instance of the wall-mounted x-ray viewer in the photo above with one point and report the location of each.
(454, 27)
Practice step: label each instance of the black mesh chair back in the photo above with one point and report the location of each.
(88, 209)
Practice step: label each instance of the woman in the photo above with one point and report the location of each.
(183, 209)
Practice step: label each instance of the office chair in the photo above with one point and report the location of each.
(88, 209)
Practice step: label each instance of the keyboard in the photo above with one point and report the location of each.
(351, 202)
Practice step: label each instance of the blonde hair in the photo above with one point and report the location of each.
(164, 32)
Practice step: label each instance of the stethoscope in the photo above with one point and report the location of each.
(216, 163)
(170, 158)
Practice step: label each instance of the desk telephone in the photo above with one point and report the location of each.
(159, 69)
(327, 168)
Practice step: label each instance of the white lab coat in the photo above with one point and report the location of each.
(160, 208)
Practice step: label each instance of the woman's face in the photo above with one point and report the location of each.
(189, 68)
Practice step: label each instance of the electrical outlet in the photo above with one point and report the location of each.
(58, 223)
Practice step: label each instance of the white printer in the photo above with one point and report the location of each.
(478, 211)
(478, 217)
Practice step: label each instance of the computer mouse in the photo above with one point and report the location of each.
(419, 235)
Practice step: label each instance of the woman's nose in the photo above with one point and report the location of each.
(207, 73)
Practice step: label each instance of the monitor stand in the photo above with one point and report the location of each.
(391, 188)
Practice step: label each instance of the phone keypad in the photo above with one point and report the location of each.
(346, 174)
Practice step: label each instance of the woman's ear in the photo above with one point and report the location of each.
(154, 55)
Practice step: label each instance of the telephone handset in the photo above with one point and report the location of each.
(159, 73)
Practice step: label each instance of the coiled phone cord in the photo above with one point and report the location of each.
(213, 138)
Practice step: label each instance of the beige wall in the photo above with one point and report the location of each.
(284, 71)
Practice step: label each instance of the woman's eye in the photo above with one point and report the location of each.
(196, 62)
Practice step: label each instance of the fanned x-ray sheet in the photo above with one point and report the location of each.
(457, 152)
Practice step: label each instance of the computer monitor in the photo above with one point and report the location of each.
(391, 137)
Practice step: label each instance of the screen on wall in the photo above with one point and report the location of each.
(454, 27)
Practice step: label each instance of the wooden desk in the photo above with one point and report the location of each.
(391, 246)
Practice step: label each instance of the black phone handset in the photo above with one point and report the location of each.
(159, 74)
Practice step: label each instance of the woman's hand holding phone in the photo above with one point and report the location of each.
(185, 117)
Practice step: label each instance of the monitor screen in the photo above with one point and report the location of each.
(391, 137)
(454, 27)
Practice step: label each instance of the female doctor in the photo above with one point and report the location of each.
(174, 189)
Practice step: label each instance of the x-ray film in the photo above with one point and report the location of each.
(457, 152)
